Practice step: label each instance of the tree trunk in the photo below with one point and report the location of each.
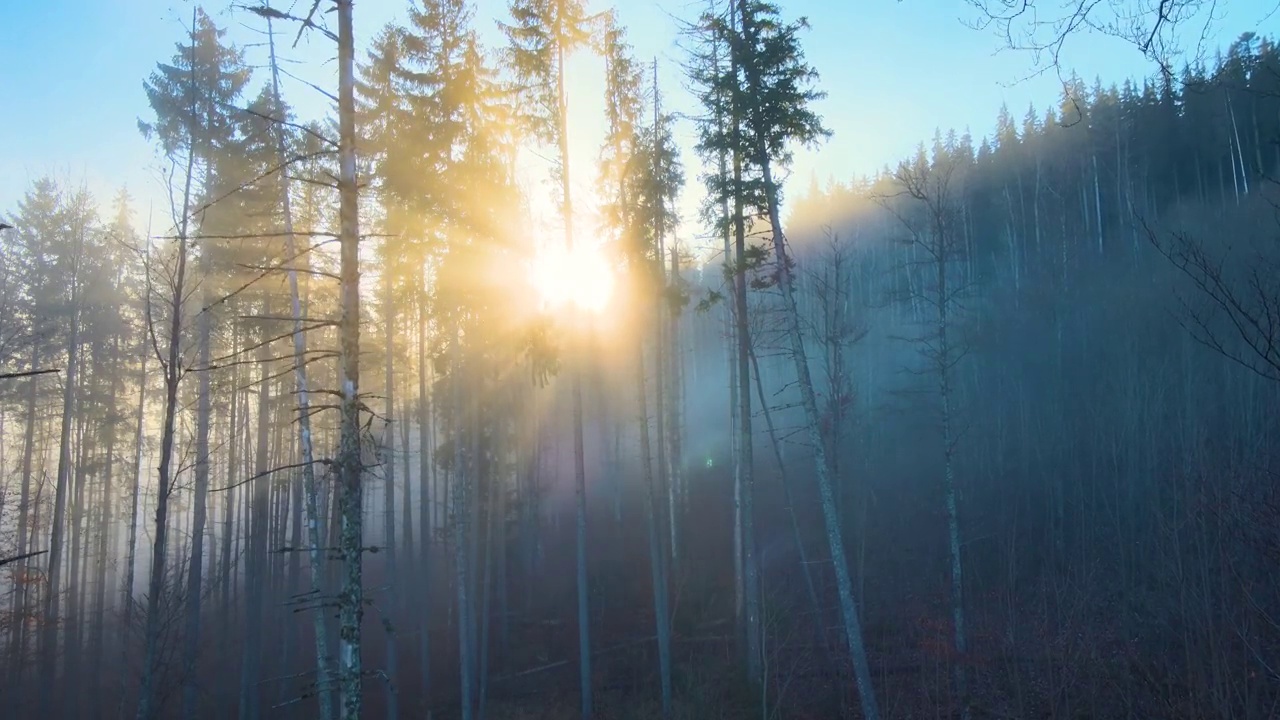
(465, 477)
(106, 537)
(126, 586)
(315, 533)
(657, 558)
(349, 470)
(49, 638)
(18, 650)
(486, 589)
(945, 364)
(195, 567)
(797, 537)
(853, 627)
(575, 373)
(229, 502)
(75, 582)
(746, 470)
(147, 709)
(389, 500)
(425, 477)
(744, 484)
(256, 578)
(675, 458)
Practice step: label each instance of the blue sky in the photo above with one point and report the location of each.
(71, 85)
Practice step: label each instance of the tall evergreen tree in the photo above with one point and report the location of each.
(542, 35)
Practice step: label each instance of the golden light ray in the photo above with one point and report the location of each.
(581, 278)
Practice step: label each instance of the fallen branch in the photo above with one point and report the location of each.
(24, 556)
(28, 373)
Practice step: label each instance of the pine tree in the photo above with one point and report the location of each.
(642, 175)
(774, 87)
(171, 362)
(220, 76)
(541, 37)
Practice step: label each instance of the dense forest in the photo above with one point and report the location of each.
(983, 435)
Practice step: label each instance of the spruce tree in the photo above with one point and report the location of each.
(771, 87)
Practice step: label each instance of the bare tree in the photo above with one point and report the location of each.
(171, 363)
(315, 532)
(932, 223)
(760, 127)
(1159, 29)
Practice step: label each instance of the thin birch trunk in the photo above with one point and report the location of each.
(315, 532)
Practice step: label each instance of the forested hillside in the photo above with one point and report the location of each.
(379, 417)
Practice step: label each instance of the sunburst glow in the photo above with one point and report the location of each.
(581, 277)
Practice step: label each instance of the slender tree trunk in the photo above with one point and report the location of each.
(732, 226)
(746, 472)
(665, 365)
(575, 372)
(49, 638)
(743, 473)
(18, 649)
(797, 536)
(389, 500)
(172, 376)
(675, 457)
(465, 480)
(501, 569)
(257, 562)
(425, 476)
(853, 627)
(486, 590)
(408, 546)
(106, 536)
(195, 567)
(75, 581)
(315, 533)
(657, 558)
(229, 502)
(945, 363)
(349, 470)
(126, 586)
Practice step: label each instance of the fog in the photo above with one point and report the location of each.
(386, 419)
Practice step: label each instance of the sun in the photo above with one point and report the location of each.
(580, 278)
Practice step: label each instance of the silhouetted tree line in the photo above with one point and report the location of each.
(1096, 288)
